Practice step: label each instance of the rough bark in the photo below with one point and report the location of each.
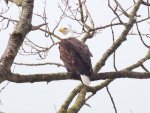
(16, 39)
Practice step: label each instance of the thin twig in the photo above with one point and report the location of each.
(143, 67)
(141, 37)
(124, 12)
(40, 64)
(112, 100)
(4, 87)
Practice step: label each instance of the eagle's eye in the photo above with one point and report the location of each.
(65, 28)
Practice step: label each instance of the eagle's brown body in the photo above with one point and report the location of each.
(76, 57)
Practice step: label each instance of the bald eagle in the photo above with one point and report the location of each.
(75, 56)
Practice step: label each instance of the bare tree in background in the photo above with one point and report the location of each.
(78, 13)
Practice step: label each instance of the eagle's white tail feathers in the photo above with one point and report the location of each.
(85, 79)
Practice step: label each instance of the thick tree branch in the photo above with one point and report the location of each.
(18, 35)
(71, 96)
(66, 76)
(16, 38)
(79, 102)
(17, 2)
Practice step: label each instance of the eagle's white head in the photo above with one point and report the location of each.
(66, 32)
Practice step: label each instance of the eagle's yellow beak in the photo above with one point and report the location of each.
(61, 30)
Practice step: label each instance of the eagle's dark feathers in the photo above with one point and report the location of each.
(76, 56)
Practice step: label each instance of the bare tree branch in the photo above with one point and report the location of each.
(69, 99)
(112, 100)
(79, 102)
(40, 64)
(121, 39)
(20, 78)
(145, 3)
(141, 36)
(4, 87)
(17, 37)
(124, 12)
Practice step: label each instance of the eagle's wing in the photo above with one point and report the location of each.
(76, 56)
(81, 49)
(65, 55)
